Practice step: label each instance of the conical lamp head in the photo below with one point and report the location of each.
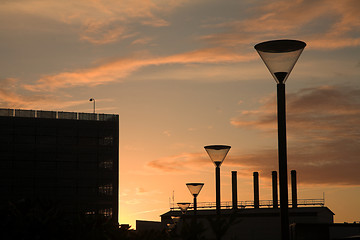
(280, 56)
(195, 188)
(217, 153)
(183, 206)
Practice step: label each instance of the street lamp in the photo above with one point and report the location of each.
(92, 100)
(183, 206)
(195, 189)
(217, 154)
(280, 57)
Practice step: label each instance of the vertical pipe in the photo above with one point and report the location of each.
(293, 189)
(256, 190)
(283, 183)
(217, 173)
(274, 189)
(234, 189)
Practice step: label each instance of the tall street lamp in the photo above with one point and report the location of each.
(195, 189)
(217, 154)
(280, 57)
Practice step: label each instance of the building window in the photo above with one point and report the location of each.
(106, 189)
(107, 164)
(107, 212)
(106, 141)
(90, 213)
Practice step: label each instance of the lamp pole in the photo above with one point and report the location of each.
(282, 155)
(195, 189)
(217, 154)
(217, 187)
(92, 100)
(280, 57)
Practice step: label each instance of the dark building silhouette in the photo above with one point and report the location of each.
(259, 219)
(66, 157)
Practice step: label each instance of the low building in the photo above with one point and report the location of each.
(144, 225)
(324, 231)
(249, 224)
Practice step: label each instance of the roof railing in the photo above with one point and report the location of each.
(250, 204)
(7, 112)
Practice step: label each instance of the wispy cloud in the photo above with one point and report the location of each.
(98, 22)
(323, 138)
(323, 24)
(11, 98)
(118, 70)
(179, 163)
(140, 191)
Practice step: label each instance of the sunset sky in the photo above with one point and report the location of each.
(184, 74)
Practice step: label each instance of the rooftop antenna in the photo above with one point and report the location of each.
(92, 100)
(173, 198)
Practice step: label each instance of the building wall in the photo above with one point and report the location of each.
(143, 225)
(63, 157)
(323, 231)
(252, 224)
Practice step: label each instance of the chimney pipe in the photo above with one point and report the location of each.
(256, 190)
(274, 189)
(234, 189)
(293, 189)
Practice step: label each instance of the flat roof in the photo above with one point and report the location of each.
(8, 112)
(251, 211)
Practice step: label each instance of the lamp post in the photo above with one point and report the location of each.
(183, 206)
(195, 189)
(217, 154)
(92, 100)
(280, 57)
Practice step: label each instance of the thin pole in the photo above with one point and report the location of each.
(195, 205)
(256, 189)
(293, 189)
(234, 189)
(274, 189)
(217, 176)
(281, 114)
(94, 105)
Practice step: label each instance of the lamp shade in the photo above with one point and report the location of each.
(217, 153)
(195, 188)
(183, 206)
(280, 56)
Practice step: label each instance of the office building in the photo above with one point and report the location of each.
(68, 158)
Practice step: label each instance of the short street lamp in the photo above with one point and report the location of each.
(195, 189)
(217, 154)
(92, 100)
(183, 206)
(280, 57)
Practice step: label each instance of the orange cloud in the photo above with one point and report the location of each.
(180, 163)
(10, 98)
(323, 24)
(120, 69)
(98, 22)
(323, 142)
(322, 133)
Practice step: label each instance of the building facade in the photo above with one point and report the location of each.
(246, 224)
(69, 158)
